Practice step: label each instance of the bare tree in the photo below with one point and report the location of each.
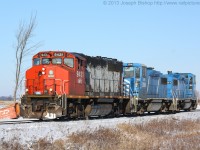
(23, 47)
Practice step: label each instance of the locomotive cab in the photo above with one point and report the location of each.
(135, 77)
(56, 73)
(190, 97)
(190, 81)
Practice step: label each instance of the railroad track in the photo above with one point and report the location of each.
(17, 121)
(22, 121)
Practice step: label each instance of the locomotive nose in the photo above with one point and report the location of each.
(40, 74)
(35, 83)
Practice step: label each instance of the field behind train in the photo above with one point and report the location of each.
(4, 103)
(174, 131)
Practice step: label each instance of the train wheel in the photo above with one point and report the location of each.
(194, 106)
(87, 110)
(80, 111)
(141, 111)
(189, 109)
(116, 110)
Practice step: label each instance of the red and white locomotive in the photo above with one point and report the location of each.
(63, 84)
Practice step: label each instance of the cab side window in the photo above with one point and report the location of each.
(80, 63)
(69, 62)
(137, 72)
(164, 81)
(144, 72)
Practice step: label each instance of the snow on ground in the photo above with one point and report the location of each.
(29, 132)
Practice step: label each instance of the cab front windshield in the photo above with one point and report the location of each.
(69, 62)
(36, 61)
(46, 61)
(56, 61)
(128, 72)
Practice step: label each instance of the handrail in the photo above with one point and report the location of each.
(60, 86)
(64, 81)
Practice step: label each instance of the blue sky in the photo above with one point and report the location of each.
(165, 37)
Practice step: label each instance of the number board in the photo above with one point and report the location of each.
(44, 54)
(58, 54)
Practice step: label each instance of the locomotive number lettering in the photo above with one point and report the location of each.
(79, 74)
(44, 54)
(58, 54)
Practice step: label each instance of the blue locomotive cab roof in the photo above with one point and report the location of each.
(133, 65)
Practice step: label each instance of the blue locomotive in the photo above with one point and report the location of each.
(152, 91)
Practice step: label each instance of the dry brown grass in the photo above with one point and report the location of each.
(168, 127)
(11, 146)
(169, 134)
(100, 139)
(158, 134)
(44, 144)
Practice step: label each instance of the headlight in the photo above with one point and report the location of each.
(50, 89)
(26, 90)
(43, 72)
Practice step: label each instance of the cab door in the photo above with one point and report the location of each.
(80, 76)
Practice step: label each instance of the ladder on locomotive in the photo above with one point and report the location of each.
(133, 99)
(174, 100)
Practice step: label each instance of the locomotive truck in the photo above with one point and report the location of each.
(61, 84)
